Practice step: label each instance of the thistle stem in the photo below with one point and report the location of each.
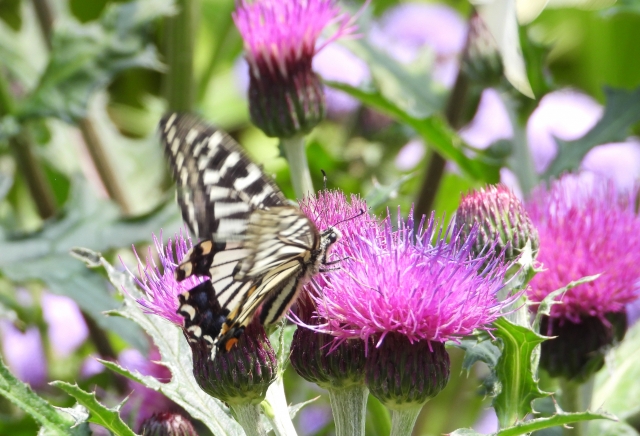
(403, 421)
(349, 406)
(295, 153)
(276, 409)
(29, 167)
(248, 416)
(179, 85)
(570, 402)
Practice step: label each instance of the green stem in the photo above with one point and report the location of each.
(95, 146)
(294, 151)
(277, 411)
(403, 421)
(435, 170)
(570, 402)
(179, 84)
(248, 416)
(29, 166)
(104, 165)
(349, 406)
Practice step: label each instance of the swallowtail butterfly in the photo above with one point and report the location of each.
(257, 249)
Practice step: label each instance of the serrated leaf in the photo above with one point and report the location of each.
(281, 340)
(544, 307)
(479, 349)
(85, 57)
(621, 112)
(465, 432)
(516, 372)
(22, 396)
(176, 355)
(44, 255)
(98, 413)
(560, 418)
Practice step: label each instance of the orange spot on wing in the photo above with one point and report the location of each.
(230, 343)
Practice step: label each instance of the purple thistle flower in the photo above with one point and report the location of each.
(280, 36)
(160, 286)
(586, 229)
(280, 33)
(399, 282)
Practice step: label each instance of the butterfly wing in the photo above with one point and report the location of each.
(218, 189)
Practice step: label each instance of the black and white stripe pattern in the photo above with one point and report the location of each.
(257, 250)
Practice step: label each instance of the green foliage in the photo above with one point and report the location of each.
(99, 414)
(175, 352)
(86, 57)
(54, 421)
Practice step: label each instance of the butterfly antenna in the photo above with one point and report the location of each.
(324, 179)
(350, 218)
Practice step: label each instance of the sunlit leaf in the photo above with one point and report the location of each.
(176, 356)
(20, 394)
(98, 413)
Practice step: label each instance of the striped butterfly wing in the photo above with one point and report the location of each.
(248, 249)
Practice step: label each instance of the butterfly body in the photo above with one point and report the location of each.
(257, 249)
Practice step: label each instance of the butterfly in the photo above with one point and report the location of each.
(257, 249)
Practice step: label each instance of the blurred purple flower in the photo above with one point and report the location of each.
(490, 123)
(410, 155)
(586, 229)
(400, 282)
(336, 63)
(143, 401)
(407, 28)
(66, 327)
(160, 286)
(24, 353)
(314, 418)
(619, 162)
(565, 114)
(487, 423)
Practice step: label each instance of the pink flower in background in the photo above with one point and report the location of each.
(586, 229)
(24, 353)
(336, 63)
(407, 28)
(144, 402)
(490, 123)
(66, 327)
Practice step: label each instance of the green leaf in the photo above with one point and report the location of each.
(516, 372)
(86, 57)
(99, 414)
(465, 432)
(618, 386)
(10, 13)
(544, 307)
(21, 395)
(560, 418)
(434, 131)
(87, 221)
(408, 86)
(380, 194)
(622, 111)
(176, 355)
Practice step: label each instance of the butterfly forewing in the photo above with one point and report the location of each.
(218, 185)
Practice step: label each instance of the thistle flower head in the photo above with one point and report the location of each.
(586, 229)
(399, 281)
(280, 33)
(280, 36)
(159, 284)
